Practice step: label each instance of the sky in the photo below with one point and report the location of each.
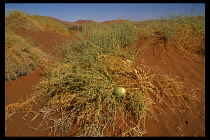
(72, 12)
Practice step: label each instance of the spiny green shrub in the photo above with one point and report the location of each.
(85, 92)
(125, 32)
(112, 37)
(82, 84)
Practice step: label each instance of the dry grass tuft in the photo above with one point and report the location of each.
(21, 57)
(191, 44)
(19, 19)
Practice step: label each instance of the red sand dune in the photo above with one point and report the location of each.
(82, 22)
(76, 23)
(177, 123)
(65, 23)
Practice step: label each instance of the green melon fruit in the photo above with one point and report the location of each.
(119, 91)
(128, 61)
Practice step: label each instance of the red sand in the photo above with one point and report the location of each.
(191, 122)
(177, 123)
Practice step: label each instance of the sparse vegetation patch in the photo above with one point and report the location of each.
(184, 32)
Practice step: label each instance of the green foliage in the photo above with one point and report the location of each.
(112, 38)
(125, 32)
(112, 35)
(75, 27)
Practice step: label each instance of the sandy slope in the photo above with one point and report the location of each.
(177, 123)
(24, 86)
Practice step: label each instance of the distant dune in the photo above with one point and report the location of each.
(83, 22)
(76, 23)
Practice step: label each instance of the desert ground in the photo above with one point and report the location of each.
(179, 122)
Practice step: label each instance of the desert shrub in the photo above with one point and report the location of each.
(85, 93)
(112, 37)
(75, 27)
(190, 38)
(21, 57)
(144, 28)
(125, 32)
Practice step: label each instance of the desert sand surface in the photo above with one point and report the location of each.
(177, 123)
